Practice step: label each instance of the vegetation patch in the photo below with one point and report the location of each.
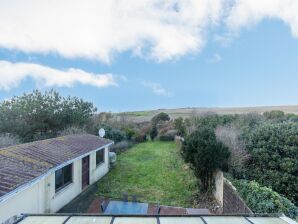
(153, 170)
(264, 200)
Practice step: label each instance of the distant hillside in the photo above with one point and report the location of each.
(143, 116)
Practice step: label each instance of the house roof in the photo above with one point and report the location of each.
(20, 164)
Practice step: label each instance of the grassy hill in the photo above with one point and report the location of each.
(143, 116)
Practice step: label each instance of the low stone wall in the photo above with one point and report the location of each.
(232, 202)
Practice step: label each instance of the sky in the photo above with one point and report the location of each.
(127, 55)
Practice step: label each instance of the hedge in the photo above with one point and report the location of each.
(264, 200)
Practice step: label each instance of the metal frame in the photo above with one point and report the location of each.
(157, 216)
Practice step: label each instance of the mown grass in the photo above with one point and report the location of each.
(153, 170)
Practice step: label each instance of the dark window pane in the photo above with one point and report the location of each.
(58, 179)
(63, 177)
(67, 174)
(100, 156)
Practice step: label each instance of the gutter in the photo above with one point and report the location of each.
(48, 173)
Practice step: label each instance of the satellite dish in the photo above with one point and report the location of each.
(101, 132)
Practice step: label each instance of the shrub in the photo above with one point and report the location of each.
(168, 136)
(160, 117)
(230, 137)
(129, 132)
(153, 132)
(206, 155)
(121, 146)
(114, 134)
(140, 137)
(8, 140)
(273, 161)
(264, 200)
(180, 126)
(71, 131)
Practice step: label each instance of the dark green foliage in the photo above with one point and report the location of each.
(139, 137)
(206, 155)
(275, 115)
(274, 157)
(113, 133)
(180, 126)
(129, 132)
(153, 132)
(41, 115)
(160, 117)
(264, 200)
(213, 120)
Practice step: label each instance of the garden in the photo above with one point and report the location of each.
(155, 172)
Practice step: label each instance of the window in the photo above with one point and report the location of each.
(100, 157)
(63, 177)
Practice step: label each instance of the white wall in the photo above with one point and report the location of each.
(97, 172)
(218, 191)
(42, 198)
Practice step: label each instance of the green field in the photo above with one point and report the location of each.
(153, 170)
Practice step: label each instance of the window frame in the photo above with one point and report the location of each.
(64, 184)
(103, 150)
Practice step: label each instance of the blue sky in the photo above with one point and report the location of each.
(251, 64)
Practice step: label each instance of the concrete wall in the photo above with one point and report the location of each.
(232, 202)
(218, 192)
(41, 196)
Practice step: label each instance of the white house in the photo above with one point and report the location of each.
(43, 176)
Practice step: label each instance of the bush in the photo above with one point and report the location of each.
(129, 132)
(8, 140)
(230, 137)
(153, 132)
(206, 155)
(180, 126)
(72, 131)
(273, 161)
(168, 136)
(140, 137)
(114, 134)
(121, 146)
(264, 200)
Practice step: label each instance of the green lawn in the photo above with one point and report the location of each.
(153, 170)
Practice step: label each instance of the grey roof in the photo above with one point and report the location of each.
(23, 163)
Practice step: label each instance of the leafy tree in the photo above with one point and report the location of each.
(180, 126)
(160, 117)
(153, 132)
(206, 154)
(40, 115)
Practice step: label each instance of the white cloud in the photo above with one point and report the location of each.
(214, 59)
(156, 88)
(11, 74)
(158, 29)
(249, 12)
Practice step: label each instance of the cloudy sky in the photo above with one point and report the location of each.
(144, 54)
